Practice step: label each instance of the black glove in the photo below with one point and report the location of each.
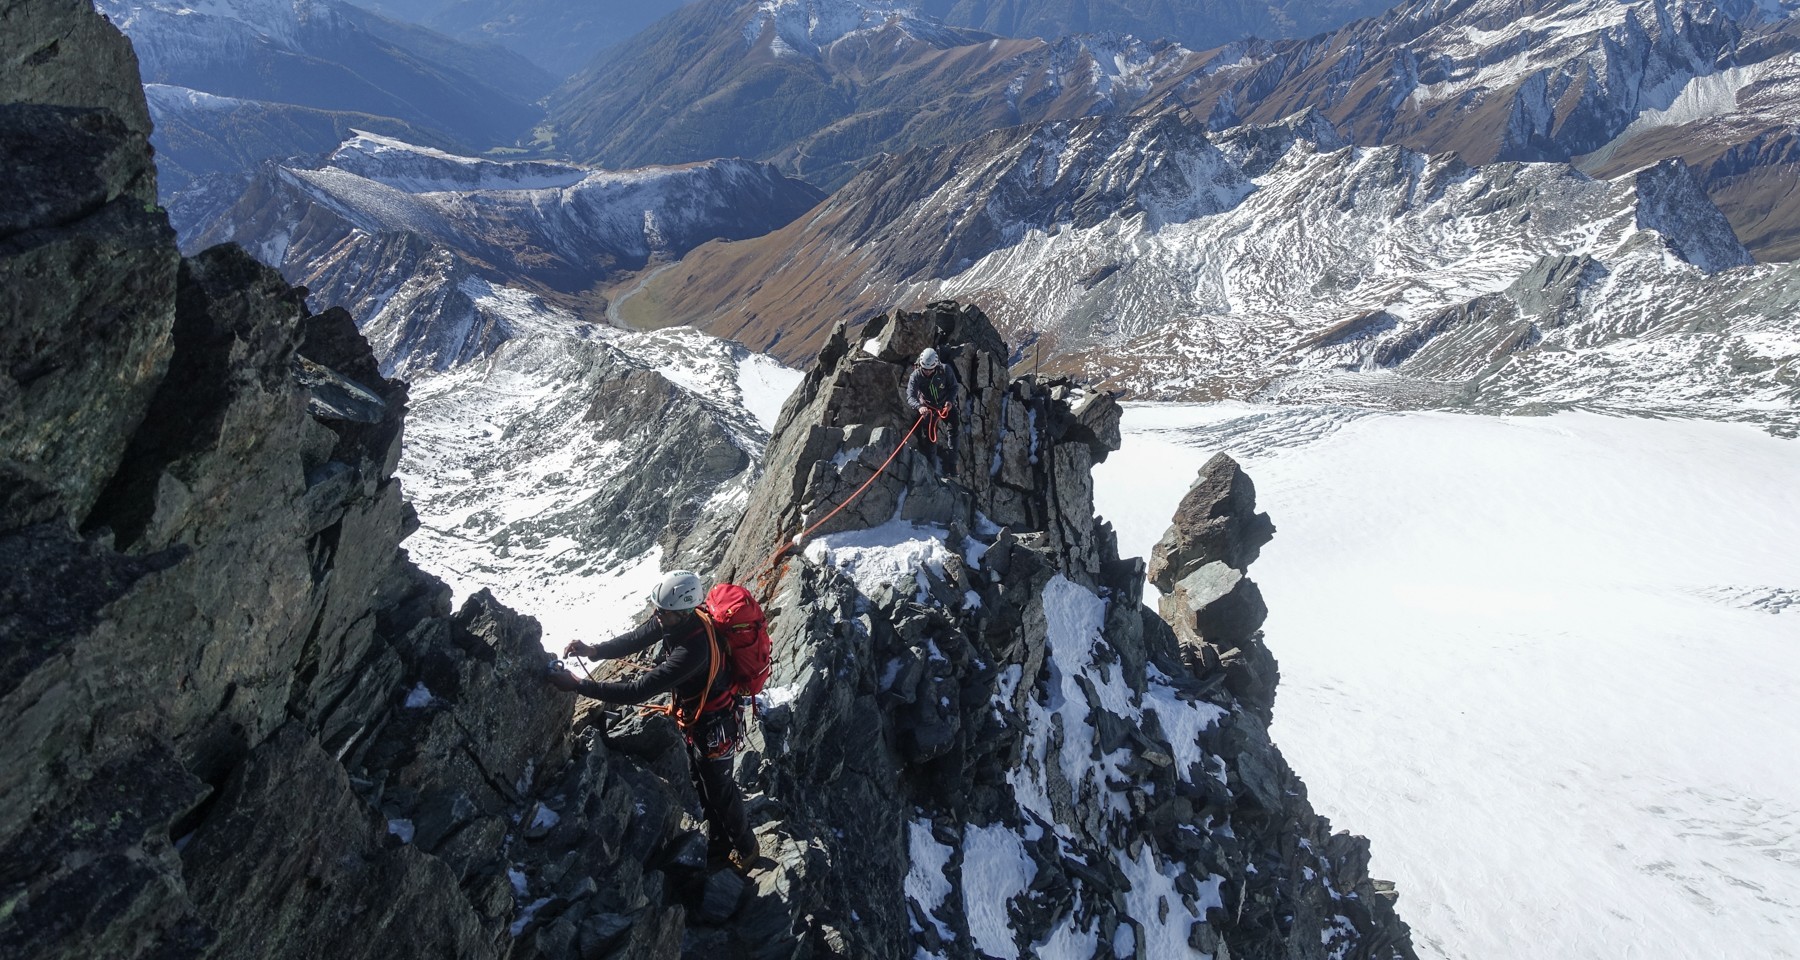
(578, 649)
(563, 681)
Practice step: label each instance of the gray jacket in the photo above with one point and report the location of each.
(935, 387)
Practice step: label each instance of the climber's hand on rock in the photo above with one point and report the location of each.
(562, 681)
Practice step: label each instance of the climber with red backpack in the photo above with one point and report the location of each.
(714, 658)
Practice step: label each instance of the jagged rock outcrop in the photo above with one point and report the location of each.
(243, 724)
(980, 742)
(1199, 565)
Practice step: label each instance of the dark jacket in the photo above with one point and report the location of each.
(934, 387)
(681, 667)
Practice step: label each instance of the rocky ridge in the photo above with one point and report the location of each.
(247, 726)
(1035, 762)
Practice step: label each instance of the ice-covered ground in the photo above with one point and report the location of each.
(1549, 666)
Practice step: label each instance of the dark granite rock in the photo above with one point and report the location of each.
(242, 724)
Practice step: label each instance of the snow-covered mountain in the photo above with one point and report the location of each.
(821, 86)
(428, 250)
(291, 77)
(1539, 80)
(1274, 261)
(1739, 127)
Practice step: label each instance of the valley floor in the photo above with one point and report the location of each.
(1547, 665)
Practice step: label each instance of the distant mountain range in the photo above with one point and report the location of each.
(1549, 80)
(820, 86)
(235, 82)
(559, 35)
(436, 255)
(1197, 24)
(1277, 262)
(823, 83)
(823, 87)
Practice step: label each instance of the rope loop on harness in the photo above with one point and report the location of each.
(931, 422)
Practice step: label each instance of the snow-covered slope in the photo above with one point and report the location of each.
(431, 252)
(1272, 261)
(1547, 664)
(568, 468)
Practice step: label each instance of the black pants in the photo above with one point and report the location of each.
(713, 743)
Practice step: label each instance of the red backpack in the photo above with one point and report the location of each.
(731, 610)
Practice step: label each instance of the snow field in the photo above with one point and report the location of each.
(1524, 657)
(765, 385)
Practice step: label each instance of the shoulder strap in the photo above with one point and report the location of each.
(712, 660)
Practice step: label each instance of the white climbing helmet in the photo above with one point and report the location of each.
(928, 359)
(680, 590)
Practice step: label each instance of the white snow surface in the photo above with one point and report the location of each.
(1544, 664)
(892, 554)
(995, 869)
(926, 883)
(765, 385)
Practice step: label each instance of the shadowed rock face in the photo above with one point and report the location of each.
(241, 723)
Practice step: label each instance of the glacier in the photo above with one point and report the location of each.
(1545, 663)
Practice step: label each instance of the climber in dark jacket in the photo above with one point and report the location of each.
(682, 669)
(931, 390)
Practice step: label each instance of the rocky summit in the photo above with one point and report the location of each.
(243, 724)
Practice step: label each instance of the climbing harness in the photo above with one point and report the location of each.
(684, 719)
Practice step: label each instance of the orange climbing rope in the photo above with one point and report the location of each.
(771, 565)
(931, 423)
